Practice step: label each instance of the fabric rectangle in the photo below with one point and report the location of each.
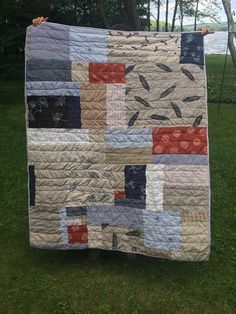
(48, 70)
(106, 73)
(180, 140)
(117, 138)
(180, 159)
(52, 88)
(154, 187)
(192, 48)
(54, 112)
(112, 215)
(31, 185)
(116, 115)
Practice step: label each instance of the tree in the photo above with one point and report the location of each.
(181, 16)
(196, 15)
(231, 29)
(174, 15)
(167, 11)
(148, 15)
(158, 6)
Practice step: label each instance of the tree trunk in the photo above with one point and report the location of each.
(174, 15)
(231, 30)
(195, 15)
(232, 48)
(130, 7)
(103, 14)
(167, 9)
(158, 15)
(181, 15)
(148, 16)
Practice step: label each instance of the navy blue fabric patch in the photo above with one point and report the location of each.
(76, 211)
(31, 185)
(74, 113)
(135, 203)
(135, 183)
(54, 111)
(192, 48)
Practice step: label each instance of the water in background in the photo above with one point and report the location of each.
(216, 43)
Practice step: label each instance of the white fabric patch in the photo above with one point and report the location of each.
(116, 106)
(42, 136)
(154, 187)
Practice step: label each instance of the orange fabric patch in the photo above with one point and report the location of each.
(179, 140)
(106, 73)
(120, 194)
(77, 234)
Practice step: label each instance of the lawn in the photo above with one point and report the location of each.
(215, 66)
(43, 281)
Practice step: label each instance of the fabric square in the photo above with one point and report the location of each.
(77, 234)
(48, 41)
(162, 230)
(79, 72)
(85, 46)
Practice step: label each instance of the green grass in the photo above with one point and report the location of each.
(215, 66)
(45, 281)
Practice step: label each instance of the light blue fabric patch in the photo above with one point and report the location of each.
(162, 230)
(86, 47)
(63, 226)
(137, 137)
(52, 88)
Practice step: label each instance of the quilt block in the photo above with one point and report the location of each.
(117, 141)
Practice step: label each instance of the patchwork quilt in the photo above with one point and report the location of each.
(117, 141)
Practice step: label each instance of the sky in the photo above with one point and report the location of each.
(220, 11)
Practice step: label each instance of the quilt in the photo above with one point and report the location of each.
(117, 141)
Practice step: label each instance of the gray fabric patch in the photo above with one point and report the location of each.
(130, 138)
(180, 159)
(48, 70)
(52, 88)
(120, 215)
